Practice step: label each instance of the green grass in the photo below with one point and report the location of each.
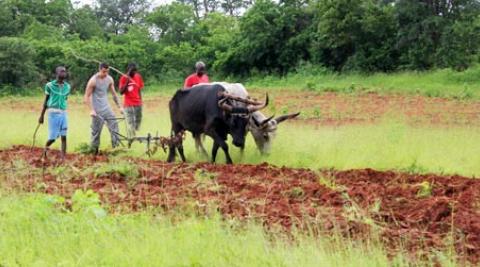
(385, 146)
(390, 144)
(36, 231)
(436, 83)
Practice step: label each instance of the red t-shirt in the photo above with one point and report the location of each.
(132, 94)
(195, 79)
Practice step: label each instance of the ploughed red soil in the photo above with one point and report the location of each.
(415, 212)
(364, 108)
(341, 109)
(336, 109)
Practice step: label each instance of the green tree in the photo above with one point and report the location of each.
(355, 35)
(9, 23)
(217, 35)
(375, 40)
(16, 15)
(176, 60)
(57, 13)
(16, 62)
(234, 7)
(196, 6)
(117, 15)
(272, 38)
(135, 46)
(425, 29)
(254, 48)
(459, 44)
(39, 31)
(84, 23)
(173, 22)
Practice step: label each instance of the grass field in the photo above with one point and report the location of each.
(391, 144)
(35, 232)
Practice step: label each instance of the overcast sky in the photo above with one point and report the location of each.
(90, 2)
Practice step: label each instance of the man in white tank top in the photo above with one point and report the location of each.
(96, 98)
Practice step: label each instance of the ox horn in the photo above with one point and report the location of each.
(241, 99)
(265, 121)
(223, 105)
(254, 108)
(282, 118)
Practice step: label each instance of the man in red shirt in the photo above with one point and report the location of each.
(131, 86)
(200, 76)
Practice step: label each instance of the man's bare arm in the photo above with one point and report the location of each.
(88, 96)
(44, 108)
(115, 96)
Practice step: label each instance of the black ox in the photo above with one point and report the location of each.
(208, 109)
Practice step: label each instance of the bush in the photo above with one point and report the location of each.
(16, 62)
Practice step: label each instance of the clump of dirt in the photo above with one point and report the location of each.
(416, 212)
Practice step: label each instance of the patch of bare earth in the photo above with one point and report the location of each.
(368, 108)
(333, 108)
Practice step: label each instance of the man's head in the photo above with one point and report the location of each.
(103, 70)
(131, 69)
(61, 73)
(200, 68)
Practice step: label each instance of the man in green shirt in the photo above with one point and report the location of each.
(56, 94)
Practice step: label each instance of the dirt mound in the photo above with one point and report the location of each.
(406, 210)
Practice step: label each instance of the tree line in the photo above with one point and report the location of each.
(236, 38)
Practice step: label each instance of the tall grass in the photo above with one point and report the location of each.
(437, 83)
(36, 231)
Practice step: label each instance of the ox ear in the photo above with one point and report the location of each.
(255, 121)
(265, 121)
(282, 118)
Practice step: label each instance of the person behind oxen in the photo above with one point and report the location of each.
(96, 98)
(56, 95)
(130, 87)
(200, 76)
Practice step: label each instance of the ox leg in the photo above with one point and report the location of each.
(172, 147)
(224, 147)
(171, 153)
(199, 146)
(219, 139)
(242, 150)
(180, 151)
(214, 151)
(225, 150)
(220, 142)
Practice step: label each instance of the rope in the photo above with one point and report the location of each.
(98, 62)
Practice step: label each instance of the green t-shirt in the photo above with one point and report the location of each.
(57, 94)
